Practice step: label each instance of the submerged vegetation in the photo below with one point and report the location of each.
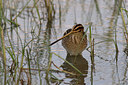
(27, 28)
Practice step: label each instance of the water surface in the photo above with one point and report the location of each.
(110, 66)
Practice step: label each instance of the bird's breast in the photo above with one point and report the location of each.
(75, 43)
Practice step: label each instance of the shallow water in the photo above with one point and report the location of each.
(110, 67)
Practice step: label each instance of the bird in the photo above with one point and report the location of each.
(74, 40)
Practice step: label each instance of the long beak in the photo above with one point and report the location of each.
(61, 38)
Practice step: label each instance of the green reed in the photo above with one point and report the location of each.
(49, 64)
(91, 41)
(10, 50)
(24, 49)
(39, 18)
(4, 53)
(39, 26)
(124, 24)
(2, 41)
(21, 10)
(25, 52)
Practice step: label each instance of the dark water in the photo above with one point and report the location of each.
(110, 67)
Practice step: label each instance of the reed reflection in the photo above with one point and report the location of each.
(80, 63)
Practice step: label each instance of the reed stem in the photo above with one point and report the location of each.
(2, 41)
(4, 53)
(125, 29)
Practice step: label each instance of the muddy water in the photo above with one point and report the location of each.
(110, 67)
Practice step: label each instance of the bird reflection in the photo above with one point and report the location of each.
(80, 63)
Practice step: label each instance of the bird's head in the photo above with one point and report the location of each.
(78, 28)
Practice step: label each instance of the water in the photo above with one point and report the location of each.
(110, 67)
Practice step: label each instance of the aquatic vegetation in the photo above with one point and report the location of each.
(28, 27)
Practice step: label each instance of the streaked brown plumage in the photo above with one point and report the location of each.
(76, 42)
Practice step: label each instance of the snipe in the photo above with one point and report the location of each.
(74, 40)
